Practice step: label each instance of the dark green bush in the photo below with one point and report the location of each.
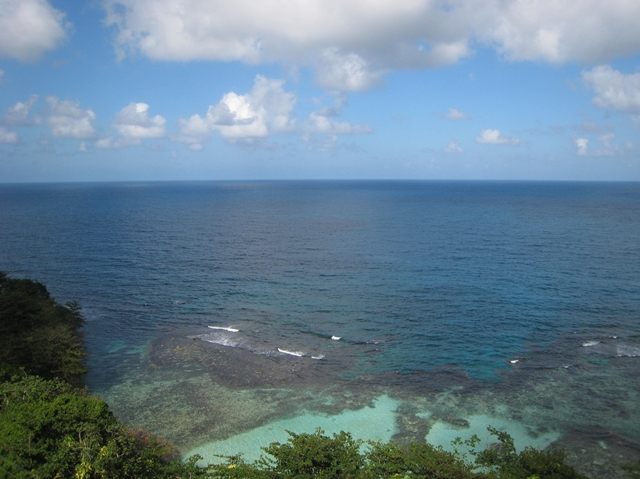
(37, 334)
(632, 469)
(49, 429)
(502, 461)
(307, 456)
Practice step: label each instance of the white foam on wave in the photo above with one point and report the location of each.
(292, 353)
(336, 338)
(231, 330)
(590, 343)
(625, 350)
(319, 356)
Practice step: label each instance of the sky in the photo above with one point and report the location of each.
(154, 90)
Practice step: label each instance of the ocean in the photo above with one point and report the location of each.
(219, 315)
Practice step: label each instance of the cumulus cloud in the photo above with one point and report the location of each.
(132, 125)
(454, 114)
(133, 122)
(352, 44)
(614, 90)
(606, 146)
(264, 111)
(494, 137)
(348, 71)
(453, 147)
(28, 28)
(563, 30)
(322, 130)
(67, 120)
(194, 131)
(17, 115)
(7, 136)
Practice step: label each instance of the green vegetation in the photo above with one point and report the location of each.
(316, 455)
(633, 469)
(50, 428)
(39, 336)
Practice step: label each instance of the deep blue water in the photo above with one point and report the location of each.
(411, 275)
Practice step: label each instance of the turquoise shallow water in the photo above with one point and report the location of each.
(461, 302)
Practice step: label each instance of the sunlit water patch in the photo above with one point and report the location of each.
(372, 423)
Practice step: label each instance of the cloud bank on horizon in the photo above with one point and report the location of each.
(349, 49)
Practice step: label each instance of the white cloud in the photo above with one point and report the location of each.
(321, 124)
(454, 114)
(339, 71)
(494, 137)
(453, 147)
(133, 122)
(194, 132)
(7, 136)
(28, 28)
(18, 114)
(67, 120)
(352, 44)
(582, 145)
(614, 90)
(564, 30)
(322, 132)
(607, 148)
(264, 111)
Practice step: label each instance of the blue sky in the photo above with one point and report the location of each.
(105, 90)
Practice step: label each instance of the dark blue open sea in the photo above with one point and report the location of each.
(220, 314)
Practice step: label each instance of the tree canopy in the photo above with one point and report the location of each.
(37, 334)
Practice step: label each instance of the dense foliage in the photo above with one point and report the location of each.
(37, 334)
(307, 456)
(49, 429)
(633, 469)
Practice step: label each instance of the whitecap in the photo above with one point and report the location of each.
(628, 351)
(319, 356)
(590, 343)
(231, 330)
(336, 338)
(292, 353)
